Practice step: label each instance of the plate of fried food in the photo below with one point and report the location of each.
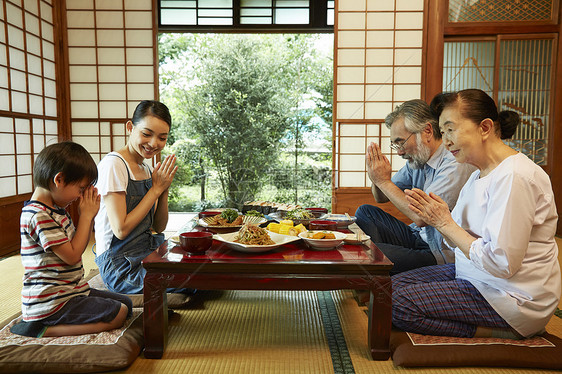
(252, 238)
(230, 218)
(323, 240)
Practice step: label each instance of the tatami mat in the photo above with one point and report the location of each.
(278, 332)
(261, 332)
(246, 332)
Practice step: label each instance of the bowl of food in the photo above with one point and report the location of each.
(298, 216)
(317, 212)
(323, 240)
(196, 242)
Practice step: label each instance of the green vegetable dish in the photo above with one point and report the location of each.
(254, 213)
(299, 214)
(229, 214)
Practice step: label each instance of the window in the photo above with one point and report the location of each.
(28, 108)
(246, 15)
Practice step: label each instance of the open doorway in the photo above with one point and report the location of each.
(252, 118)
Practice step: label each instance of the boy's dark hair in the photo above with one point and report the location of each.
(68, 158)
(152, 108)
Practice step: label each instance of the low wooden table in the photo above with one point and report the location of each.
(291, 267)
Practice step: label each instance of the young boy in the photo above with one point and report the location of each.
(56, 300)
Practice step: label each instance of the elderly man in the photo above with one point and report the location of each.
(414, 135)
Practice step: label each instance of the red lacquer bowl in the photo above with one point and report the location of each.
(196, 242)
(323, 225)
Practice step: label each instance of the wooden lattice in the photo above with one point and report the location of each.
(499, 10)
(523, 84)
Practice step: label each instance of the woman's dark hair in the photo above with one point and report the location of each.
(68, 158)
(152, 108)
(477, 105)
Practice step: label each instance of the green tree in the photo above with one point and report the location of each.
(239, 112)
(242, 100)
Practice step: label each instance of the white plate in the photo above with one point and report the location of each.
(277, 238)
(323, 244)
(247, 219)
(174, 239)
(352, 239)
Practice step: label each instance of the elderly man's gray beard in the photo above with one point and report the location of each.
(418, 159)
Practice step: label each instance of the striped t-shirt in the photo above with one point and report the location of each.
(48, 282)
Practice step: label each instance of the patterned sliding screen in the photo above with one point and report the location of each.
(500, 10)
(516, 70)
(519, 77)
(28, 108)
(111, 54)
(378, 59)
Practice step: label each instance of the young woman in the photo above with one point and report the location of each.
(134, 199)
(505, 281)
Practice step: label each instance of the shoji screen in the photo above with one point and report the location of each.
(28, 110)
(378, 54)
(517, 71)
(111, 55)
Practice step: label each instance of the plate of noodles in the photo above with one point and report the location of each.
(252, 238)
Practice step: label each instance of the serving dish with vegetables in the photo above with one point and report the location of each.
(298, 216)
(230, 218)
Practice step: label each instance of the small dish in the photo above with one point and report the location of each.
(323, 225)
(323, 244)
(352, 238)
(208, 213)
(174, 239)
(279, 240)
(343, 220)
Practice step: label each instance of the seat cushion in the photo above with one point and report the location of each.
(108, 350)
(413, 350)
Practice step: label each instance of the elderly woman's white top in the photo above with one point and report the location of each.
(514, 261)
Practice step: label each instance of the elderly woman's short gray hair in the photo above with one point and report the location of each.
(417, 115)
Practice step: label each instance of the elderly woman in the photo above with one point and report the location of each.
(505, 281)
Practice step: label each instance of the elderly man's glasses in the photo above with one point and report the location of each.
(400, 146)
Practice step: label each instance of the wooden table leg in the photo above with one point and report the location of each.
(155, 316)
(380, 318)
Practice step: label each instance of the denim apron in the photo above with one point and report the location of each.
(120, 265)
